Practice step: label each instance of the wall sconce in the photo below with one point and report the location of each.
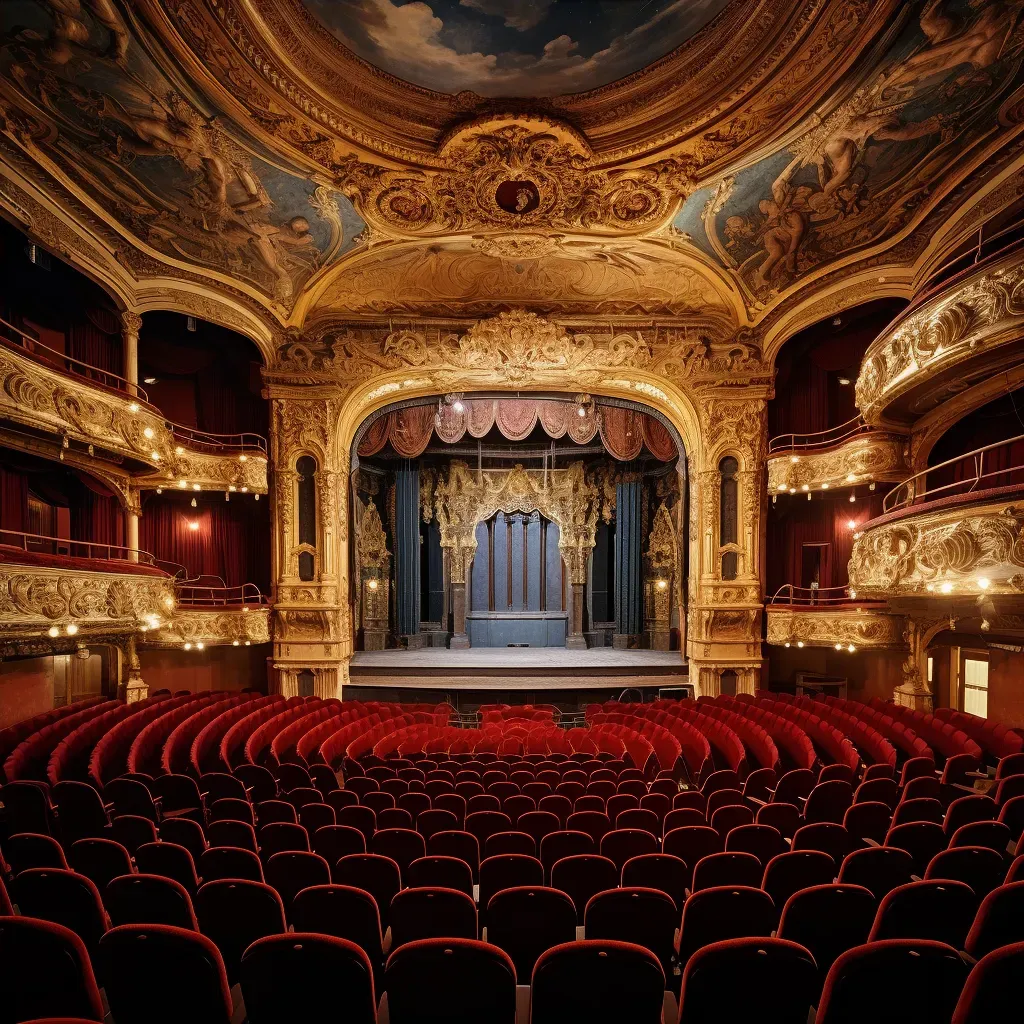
(372, 584)
(662, 584)
(850, 524)
(195, 504)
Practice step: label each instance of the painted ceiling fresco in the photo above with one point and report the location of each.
(950, 81)
(79, 92)
(513, 47)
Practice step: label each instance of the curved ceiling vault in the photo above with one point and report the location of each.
(720, 162)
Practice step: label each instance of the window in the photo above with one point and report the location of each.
(976, 687)
(306, 467)
(728, 515)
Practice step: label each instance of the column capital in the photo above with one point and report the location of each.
(131, 322)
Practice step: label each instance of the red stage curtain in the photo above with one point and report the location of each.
(451, 425)
(554, 417)
(13, 500)
(479, 416)
(516, 417)
(582, 429)
(96, 515)
(622, 432)
(657, 438)
(411, 430)
(376, 436)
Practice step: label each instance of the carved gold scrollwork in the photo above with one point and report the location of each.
(861, 627)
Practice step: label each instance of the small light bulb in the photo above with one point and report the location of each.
(143, 629)
(985, 624)
(662, 584)
(156, 456)
(148, 432)
(183, 484)
(458, 406)
(851, 648)
(71, 629)
(792, 490)
(245, 490)
(372, 584)
(853, 594)
(929, 586)
(871, 486)
(839, 647)
(248, 643)
(794, 458)
(804, 487)
(257, 497)
(232, 488)
(53, 631)
(133, 407)
(243, 458)
(782, 487)
(850, 524)
(825, 487)
(179, 450)
(799, 643)
(195, 487)
(200, 646)
(159, 490)
(984, 583)
(194, 503)
(234, 643)
(850, 477)
(946, 587)
(188, 647)
(853, 497)
(193, 525)
(787, 643)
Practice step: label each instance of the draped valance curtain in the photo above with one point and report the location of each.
(623, 431)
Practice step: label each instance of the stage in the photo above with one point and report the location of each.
(519, 671)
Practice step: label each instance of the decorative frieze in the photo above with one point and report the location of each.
(849, 628)
(211, 627)
(865, 458)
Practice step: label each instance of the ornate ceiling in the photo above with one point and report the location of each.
(734, 167)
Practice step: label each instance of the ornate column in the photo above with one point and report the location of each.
(312, 617)
(131, 522)
(576, 564)
(131, 325)
(628, 595)
(131, 686)
(914, 692)
(407, 554)
(375, 579)
(661, 560)
(726, 610)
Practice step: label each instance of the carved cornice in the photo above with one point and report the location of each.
(862, 628)
(33, 600)
(214, 627)
(944, 552)
(977, 314)
(867, 457)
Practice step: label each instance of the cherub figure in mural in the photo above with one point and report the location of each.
(978, 42)
(70, 27)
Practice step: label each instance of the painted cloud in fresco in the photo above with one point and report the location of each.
(514, 47)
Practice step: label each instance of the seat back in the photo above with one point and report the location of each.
(136, 961)
(431, 913)
(992, 992)
(343, 911)
(726, 912)
(941, 910)
(149, 899)
(598, 981)
(65, 898)
(645, 917)
(582, 876)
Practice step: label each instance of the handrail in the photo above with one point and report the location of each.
(907, 493)
(790, 594)
(206, 440)
(46, 356)
(69, 364)
(820, 439)
(36, 543)
(246, 594)
(970, 260)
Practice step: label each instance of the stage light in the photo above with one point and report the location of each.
(53, 631)
(71, 629)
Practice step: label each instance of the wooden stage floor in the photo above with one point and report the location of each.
(532, 668)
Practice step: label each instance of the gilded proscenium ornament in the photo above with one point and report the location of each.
(944, 552)
(211, 627)
(826, 627)
(35, 599)
(531, 173)
(880, 456)
(565, 496)
(213, 471)
(978, 313)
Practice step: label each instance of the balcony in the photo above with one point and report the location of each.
(965, 326)
(110, 418)
(57, 594)
(844, 456)
(963, 538)
(833, 617)
(209, 614)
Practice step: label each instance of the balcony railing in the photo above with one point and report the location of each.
(791, 595)
(35, 543)
(194, 594)
(984, 251)
(14, 338)
(822, 439)
(979, 474)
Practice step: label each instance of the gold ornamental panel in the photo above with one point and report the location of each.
(938, 343)
(213, 627)
(59, 604)
(856, 627)
(862, 459)
(954, 552)
(244, 472)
